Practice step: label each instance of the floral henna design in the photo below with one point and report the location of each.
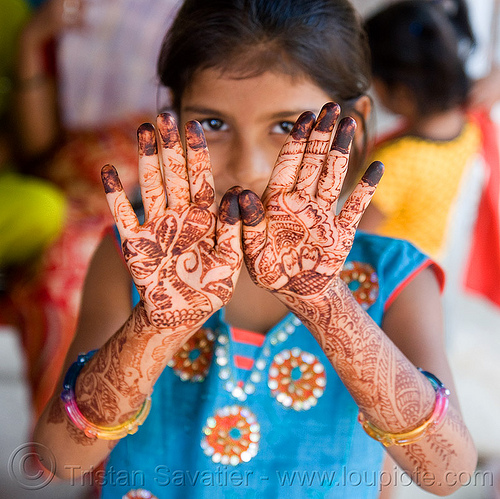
(183, 260)
(295, 245)
(293, 241)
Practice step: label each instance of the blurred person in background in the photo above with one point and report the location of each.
(91, 62)
(31, 210)
(423, 73)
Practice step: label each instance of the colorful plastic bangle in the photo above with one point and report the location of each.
(81, 422)
(409, 437)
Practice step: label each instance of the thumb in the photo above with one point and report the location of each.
(228, 237)
(254, 223)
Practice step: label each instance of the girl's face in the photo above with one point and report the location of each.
(246, 121)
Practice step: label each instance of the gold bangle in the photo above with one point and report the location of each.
(426, 428)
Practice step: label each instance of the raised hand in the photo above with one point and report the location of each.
(184, 259)
(294, 242)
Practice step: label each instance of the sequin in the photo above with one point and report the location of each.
(192, 361)
(362, 281)
(296, 379)
(234, 438)
(139, 494)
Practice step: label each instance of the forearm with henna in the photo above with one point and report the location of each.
(182, 276)
(184, 260)
(295, 245)
(388, 389)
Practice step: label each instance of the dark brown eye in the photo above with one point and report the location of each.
(213, 124)
(283, 127)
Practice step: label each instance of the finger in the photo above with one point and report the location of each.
(284, 174)
(175, 173)
(228, 235)
(150, 180)
(254, 226)
(359, 199)
(317, 148)
(201, 181)
(121, 209)
(334, 171)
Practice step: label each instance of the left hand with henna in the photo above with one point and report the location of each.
(295, 245)
(184, 262)
(294, 242)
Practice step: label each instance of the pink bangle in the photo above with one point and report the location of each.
(81, 422)
(426, 428)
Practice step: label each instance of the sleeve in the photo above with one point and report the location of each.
(399, 264)
(396, 263)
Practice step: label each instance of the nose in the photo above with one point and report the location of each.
(251, 164)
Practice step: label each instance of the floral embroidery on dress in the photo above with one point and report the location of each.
(139, 494)
(237, 389)
(192, 361)
(231, 436)
(297, 379)
(362, 281)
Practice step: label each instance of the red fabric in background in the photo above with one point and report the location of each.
(483, 266)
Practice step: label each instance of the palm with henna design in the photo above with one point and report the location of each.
(183, 259)
(294, 242)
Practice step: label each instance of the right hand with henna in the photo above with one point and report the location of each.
(184, 260)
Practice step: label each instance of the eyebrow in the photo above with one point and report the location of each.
(209, 111)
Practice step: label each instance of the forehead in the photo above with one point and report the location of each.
(269, 93)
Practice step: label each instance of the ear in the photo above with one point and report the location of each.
(363, 106)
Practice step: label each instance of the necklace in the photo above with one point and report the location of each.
(238, 389)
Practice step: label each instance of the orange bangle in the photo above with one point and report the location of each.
(426, 428)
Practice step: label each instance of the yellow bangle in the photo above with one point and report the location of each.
(81, 422)
(409, 437)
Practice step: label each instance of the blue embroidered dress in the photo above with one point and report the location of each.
(246, 415)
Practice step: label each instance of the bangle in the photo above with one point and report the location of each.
(81, 422)
(409, 437)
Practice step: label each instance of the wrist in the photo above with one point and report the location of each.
(333, 291)
(146, 320)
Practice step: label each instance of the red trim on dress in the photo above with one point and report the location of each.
(438, 271)
(243, 362)
(248, 337)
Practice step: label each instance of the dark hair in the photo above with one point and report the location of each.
(322, 39)
(417, 43)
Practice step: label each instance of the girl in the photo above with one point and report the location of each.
(445, 159)
(257, 354)
(419, 75)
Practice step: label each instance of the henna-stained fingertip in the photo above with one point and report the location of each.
(229, 211)
(252, 211)
(195, 136)
(303, 125)
(374, 173)
(327, 117)
(344, 135)
(146, 139)
(110, 179)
